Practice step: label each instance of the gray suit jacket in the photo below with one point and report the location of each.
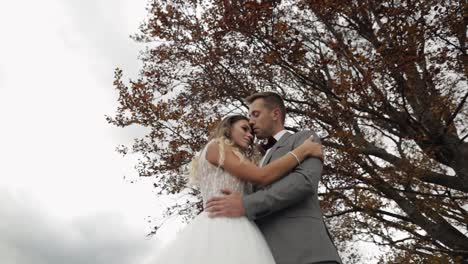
(288, 212)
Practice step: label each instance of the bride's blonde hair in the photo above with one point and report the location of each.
(221, 135)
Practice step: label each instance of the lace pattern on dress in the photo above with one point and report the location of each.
(214, 178)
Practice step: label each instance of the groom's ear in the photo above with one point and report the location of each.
(276, 113)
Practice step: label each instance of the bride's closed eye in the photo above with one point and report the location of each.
(246, 128)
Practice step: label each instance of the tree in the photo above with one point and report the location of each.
(385, 81)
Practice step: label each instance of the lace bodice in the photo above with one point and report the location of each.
(212, 179)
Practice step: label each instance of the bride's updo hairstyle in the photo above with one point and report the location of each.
(221, 135)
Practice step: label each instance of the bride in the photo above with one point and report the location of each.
(227, 161)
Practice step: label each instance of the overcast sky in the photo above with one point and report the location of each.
(63, 196)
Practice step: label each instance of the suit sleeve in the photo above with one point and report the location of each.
(300, 183)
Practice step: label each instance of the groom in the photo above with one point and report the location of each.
(286, 211)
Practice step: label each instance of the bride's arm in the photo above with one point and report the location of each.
(246, 170)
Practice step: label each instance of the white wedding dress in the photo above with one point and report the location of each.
(216, 240)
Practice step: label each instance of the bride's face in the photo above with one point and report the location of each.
(241, 134)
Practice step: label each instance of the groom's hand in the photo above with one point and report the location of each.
(229, 206)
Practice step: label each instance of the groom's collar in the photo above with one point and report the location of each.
(280, 134)
(281, 137)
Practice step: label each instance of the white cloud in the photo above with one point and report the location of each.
(30, 235)
(101, 30)
(56, 76)
(53, 99)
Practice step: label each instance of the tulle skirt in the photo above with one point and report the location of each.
(216, 241)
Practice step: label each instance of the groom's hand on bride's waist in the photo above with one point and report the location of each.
(229, 205)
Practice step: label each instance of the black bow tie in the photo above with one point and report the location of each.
(270, 142)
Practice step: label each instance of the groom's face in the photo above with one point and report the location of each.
(261, 119)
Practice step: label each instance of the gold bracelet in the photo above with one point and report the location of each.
(295, 156)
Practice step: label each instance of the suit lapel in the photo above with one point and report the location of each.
(277, 145)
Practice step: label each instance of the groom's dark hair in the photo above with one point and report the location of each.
(271, 99)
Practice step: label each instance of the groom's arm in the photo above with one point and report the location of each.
(299, 184)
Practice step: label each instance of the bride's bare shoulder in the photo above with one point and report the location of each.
(216, 153)
(212, 153)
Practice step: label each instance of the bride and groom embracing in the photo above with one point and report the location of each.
(280, 220)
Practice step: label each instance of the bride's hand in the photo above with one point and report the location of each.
(312, 148)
